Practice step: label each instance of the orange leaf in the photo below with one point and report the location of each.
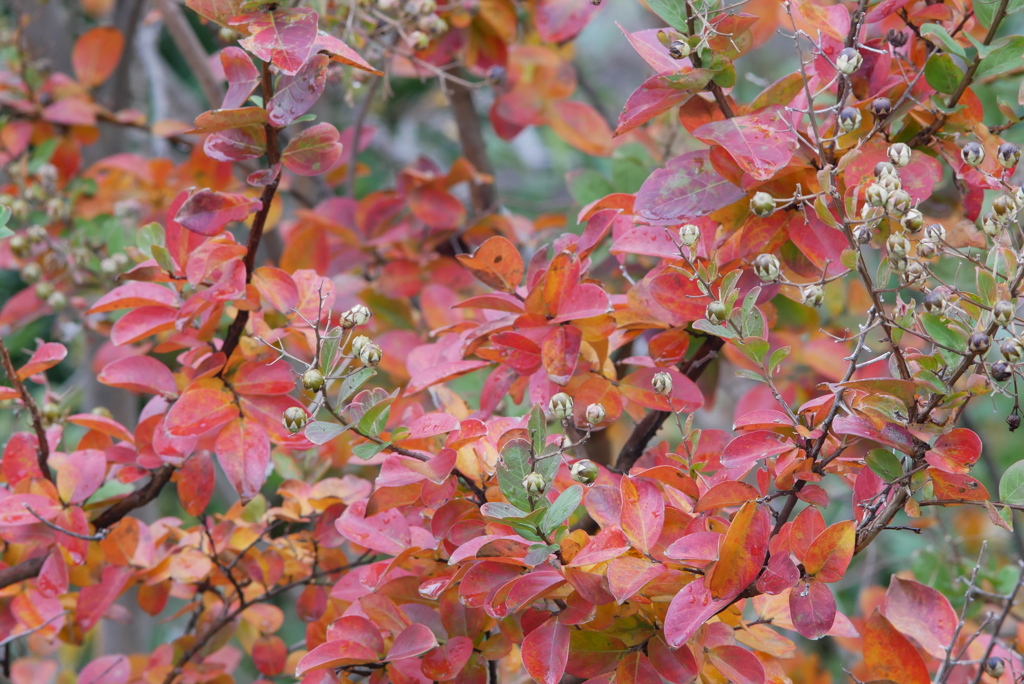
(742, 553)
(96, 54)
(922, 613)
(830, 553)
(890, 655)
(579, 124)
(496, 263)
(643, 512)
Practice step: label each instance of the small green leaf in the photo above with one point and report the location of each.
(754, 348)
(512, 469)
(938, 35)
(1011, 486)
(538, 427)
(353, 382)
(567, 502)
(321, 432)
(777, 356)
(149, 235)
(539, 553)
(672, 11)
(1007, 55)
(942, 73)
(723, 331)
(950, 338)
(368, 450)
(329, 349)
(376, 417)
(163, 258)
(885, 464)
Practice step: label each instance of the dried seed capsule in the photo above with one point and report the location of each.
(935, 231)
(876, 195)
(689, 235)
(979, 342)
(850, 119)
(896, 38)
(584, 471)
(370, 355)
(595, 414)
(935, 302)
(662, 383)
(716, 313)
(898, 264)
(358, 343)
(1003, 312)
(1004, 206)
(762, 204)
(991, 225)
(294, 419)
(560, 406)
(356, 316)
(679, 49)
(899, 203)
(912, 273)
(927, 249)
(767, 267)
(812, 295)
(898, 244)
(1001, 371)
(313, 380)
(899, 154)
(849, 60)
(912, 221)
(1013, 420)
(1008, 155)
(534, 484)
(973, 154)
(1012, 350)
(31, 273)
(881, 107)
(862, 234)
(884, 168)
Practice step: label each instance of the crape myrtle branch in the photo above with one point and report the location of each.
(42, 445)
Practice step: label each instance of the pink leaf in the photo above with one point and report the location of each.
(546, 652)
(659, 94)
(243, 450)
(414, 640)
(690, 609)
(139, 374)
(47, 356)
(750, 447)
(813, 609)
(386, 532)
(922, 613)
(296, 94)
(242, 75)
(80, 474)
(761, 143)
(561, 20)
(955, 451)
(284, 36)
(207, 212)
(688, 187)
(313, 151)
(108, 669)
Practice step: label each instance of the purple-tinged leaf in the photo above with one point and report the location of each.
(313, 151)
(688, 187)
(296, 94)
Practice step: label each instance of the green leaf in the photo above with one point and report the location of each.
(942, 73)
(754, 348)
(672, 11)
(513, 467)
(538, 553)
(368, 450)
(1011, 486)
(938, 35)
(353, 382)
(750, 375)
(149, 235)
(42, 154)
(376, 417)
(985, 10)
(163, 258)
(329, 349)
(987, 288)
(723, 331)
(751, 322)
(587, 185)
(499, 510)
(567, 502)
(936, 327)
(1007, 55)
(885, 464)
(777, 356)
(321, 432)
(5, 216)
(538, 427)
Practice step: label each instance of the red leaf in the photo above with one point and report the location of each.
(20, 460)
(890, 655)
(918, 178)
(690, 609)
(207, 212)
(196, 482)
(558, 21)
(607, 544)
(135, 294)
(96, 54)
(386, 532)
(14, 509)
(269, 654)
(206, 404)
(546, 651)
(335, 654)
(260, 378)
(139, 374)
(414, 640)
(243, 450)
(560, 351)
(922, 613)
(635, 668)
(94, 600)
(277, 287)
(643, 512)
(284, 36)
(580, 125)
(678, 667)
(445, 662)
(955, 451)
(687, 188)
(342, 53)
(761, 143)
(48, 355)
(53, 576)
(79, 474)
(724, 494)
(830, 553)
(313, 151)
(296, 94)
(739, 665)
(659, 94)
(108, 669)
(496, 263)
(242, 75)
(779, 575)
(813, 609)
(236, 144)
(142, 322)
(750, 447)
(685, 397)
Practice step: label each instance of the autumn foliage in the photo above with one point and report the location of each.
(400, 433)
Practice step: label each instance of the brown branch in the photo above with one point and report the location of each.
(714, 88)
(357, 133)
(43, 447)
(474, 148)
(234, 334)
(645, 430)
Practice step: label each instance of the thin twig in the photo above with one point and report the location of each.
(42, 446)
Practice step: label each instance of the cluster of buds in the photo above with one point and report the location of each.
(1005, 209)
(419, 18)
